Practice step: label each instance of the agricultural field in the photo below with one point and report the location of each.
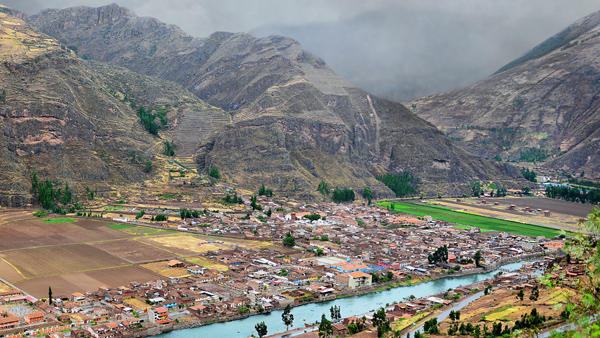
(503, 305)
(563, 215)
(57, 260)
(29, 231)
(80, 255)
(162, 268)
(65, 285)
(206, 263)
(133, 251)
(495, 224)
(188, 244)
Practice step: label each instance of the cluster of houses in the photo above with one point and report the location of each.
(348, 249)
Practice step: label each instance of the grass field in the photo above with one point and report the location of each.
(478, 221)
(59, 220)
(466, 227)
(120, 226)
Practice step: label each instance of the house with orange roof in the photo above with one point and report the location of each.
(159, 315)
(34, 318)
(354, 279)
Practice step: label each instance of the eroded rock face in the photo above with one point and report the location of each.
(294, 121)
(546, 99)
(65, 118)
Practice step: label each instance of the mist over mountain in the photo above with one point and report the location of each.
(541, 106)
(395, 49)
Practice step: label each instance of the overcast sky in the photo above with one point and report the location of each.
(395, 48)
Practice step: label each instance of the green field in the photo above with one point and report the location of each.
(449, 215)
(466, 227)
(120, 226)
(59, 220)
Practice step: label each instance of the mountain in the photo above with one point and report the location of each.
(295, 123)
(543, 105)
(66, 118)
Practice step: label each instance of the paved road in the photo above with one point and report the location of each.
(458, 306)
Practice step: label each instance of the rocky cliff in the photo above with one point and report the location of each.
(546, 100)
(67, 119)
(294, 121)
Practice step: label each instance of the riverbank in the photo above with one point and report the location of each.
(350, 306)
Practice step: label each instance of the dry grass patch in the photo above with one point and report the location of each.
(207, 263)
(162, 268)
(136, 303)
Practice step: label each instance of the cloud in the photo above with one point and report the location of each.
(399, 49)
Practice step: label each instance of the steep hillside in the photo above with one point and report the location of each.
(543, 105)
(295, 122)
(67, 120)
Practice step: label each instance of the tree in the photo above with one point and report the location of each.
(287, 317)
(439, 256)
(320, 252)
(214, 172)
(312, 217)
(477, 258)
(335, 313)
(148, 166)
(583, 248)
(34, 183)
(342, 195)
(431, 326)
(66, 195)
(325, 328)
(261, 329)
(520, 294)
(289, 240)
(264, 191)
(526, 191)
(389, 275)
(169, 148)
(535, 293)
(50, 295)
(457, 315)
(381, 322)
(367, 194)
(323, 188)
(452, 315)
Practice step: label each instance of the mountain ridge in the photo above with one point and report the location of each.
(294, 121)
(546, 105)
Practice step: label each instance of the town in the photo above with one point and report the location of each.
(316, 253)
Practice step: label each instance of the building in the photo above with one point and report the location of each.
(34, 318)
(176, 264)
(7, 319)
(159, 315)
(354, 279)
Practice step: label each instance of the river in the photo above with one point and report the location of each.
(349, 307)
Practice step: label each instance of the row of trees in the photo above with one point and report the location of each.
(263, 191)
(342, 195)
(403, 184)
(529, 174)
(186, 213)
(49, 197)
(233, 199)
(574, 194)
